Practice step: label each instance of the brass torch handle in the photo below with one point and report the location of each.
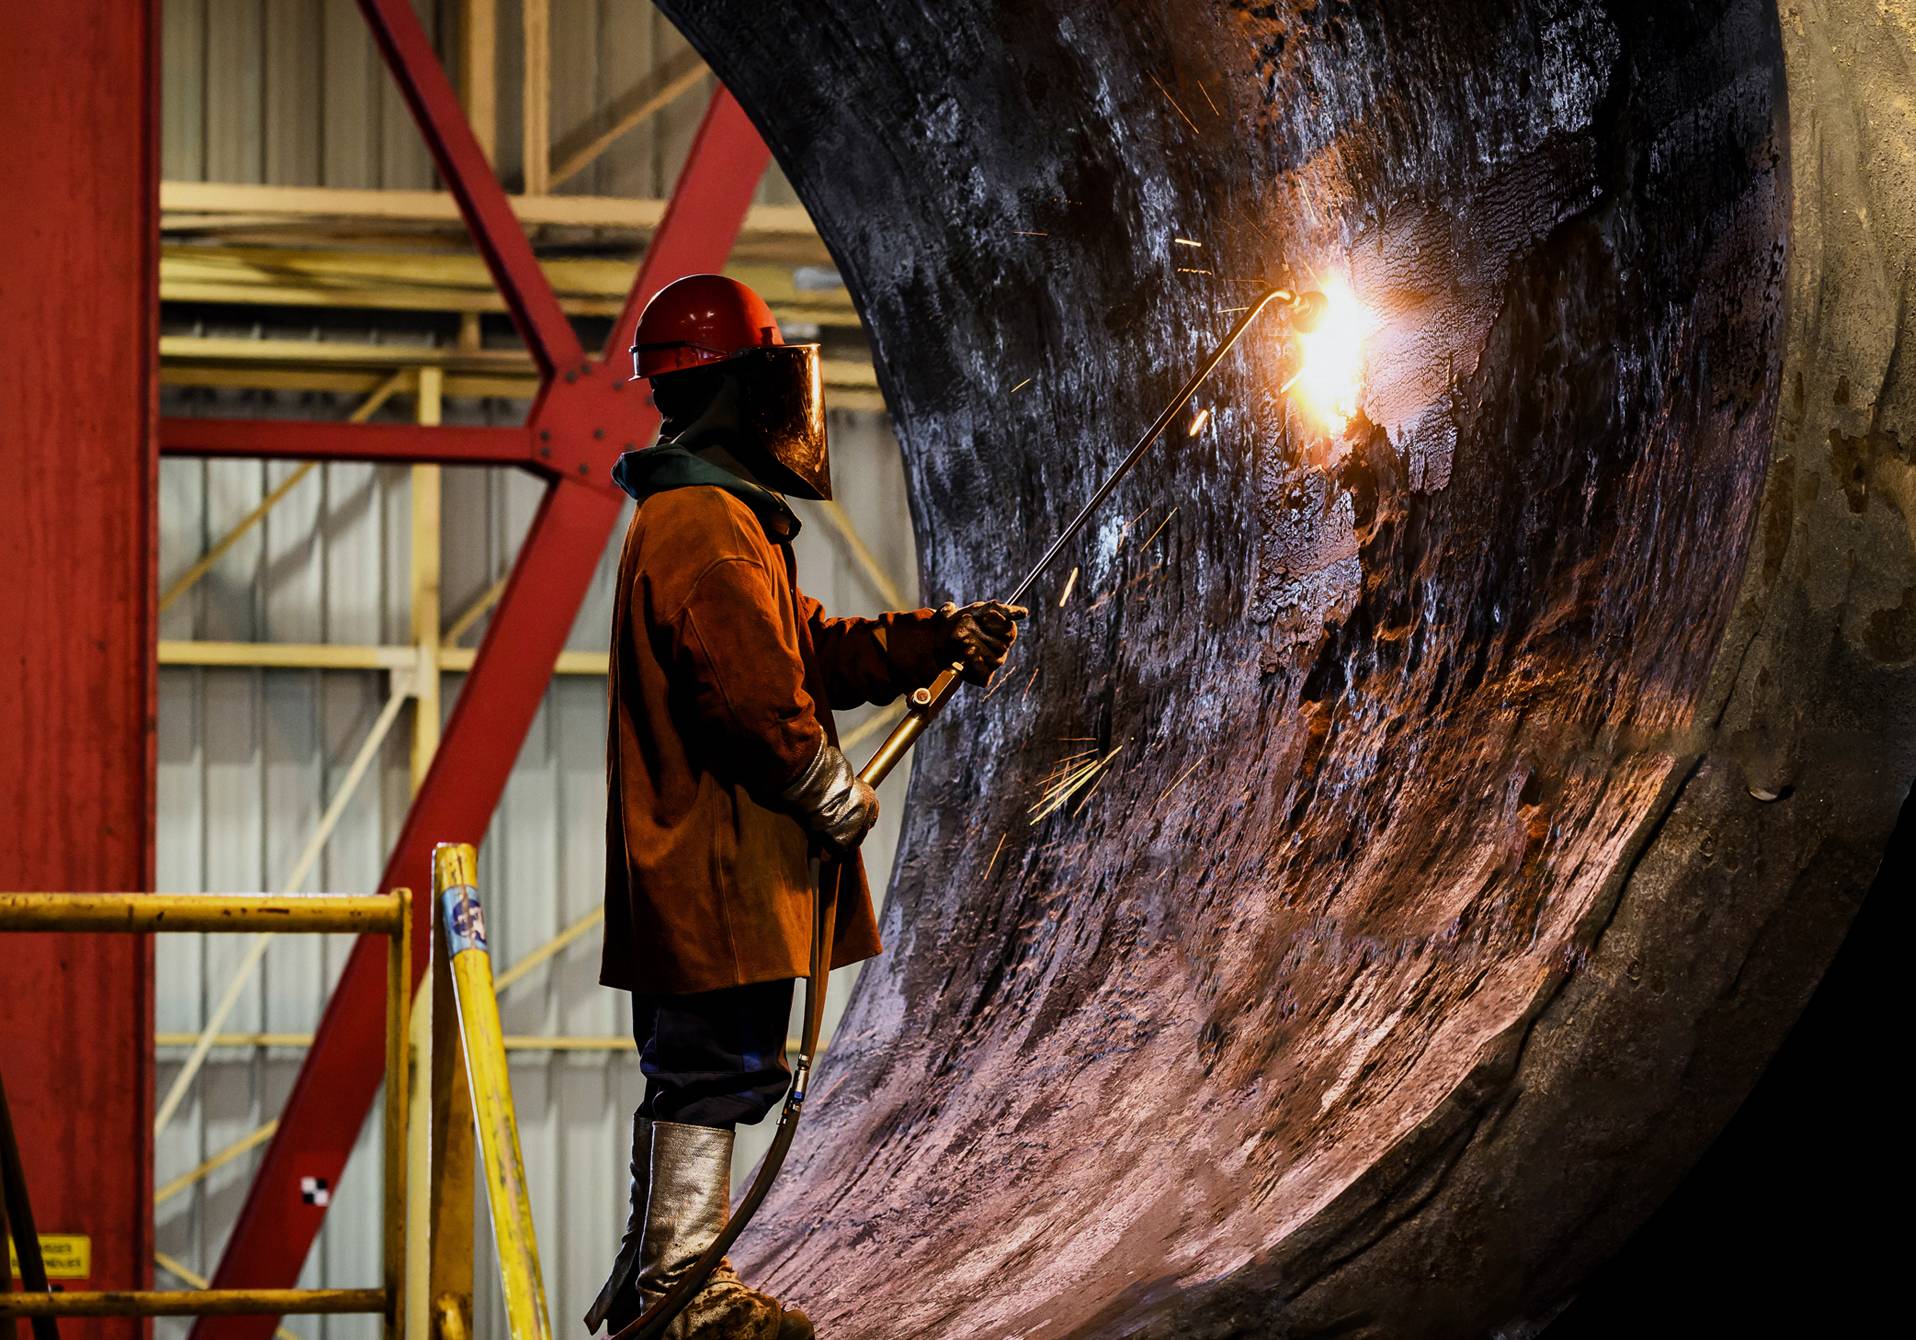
(923, 705)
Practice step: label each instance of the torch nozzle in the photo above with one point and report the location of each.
(1307, 310)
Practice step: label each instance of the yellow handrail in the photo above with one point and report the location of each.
(456, 899)
(193, 1303)
(398, 1094)
(153, 913)
(159, 913)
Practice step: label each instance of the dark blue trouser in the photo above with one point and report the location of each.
(714, 1058)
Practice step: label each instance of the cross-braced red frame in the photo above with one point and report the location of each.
(579, 420)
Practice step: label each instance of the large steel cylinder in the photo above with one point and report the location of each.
(1487, 786)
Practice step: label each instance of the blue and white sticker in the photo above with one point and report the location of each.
(465, 920)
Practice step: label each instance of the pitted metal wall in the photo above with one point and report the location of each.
(1489, 791)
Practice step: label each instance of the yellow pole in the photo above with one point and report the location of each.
(419, 1124)
(425, 584)
(451, 1157)
(449, 1321)
(454, 869)
(398, 1035)
(194, 1279)
(192, 1303)
(535, 102)
(154, 913)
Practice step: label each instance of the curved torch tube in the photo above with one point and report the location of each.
(927, 702)
(924, 705)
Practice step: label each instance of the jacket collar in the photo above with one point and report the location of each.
(668, 465)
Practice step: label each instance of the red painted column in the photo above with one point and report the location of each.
(78, 274)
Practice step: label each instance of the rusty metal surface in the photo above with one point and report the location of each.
(1474, 829)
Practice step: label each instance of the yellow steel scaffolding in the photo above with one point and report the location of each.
(153, 913)
(427, 1290)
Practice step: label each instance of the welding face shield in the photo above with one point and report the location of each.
(781, 416)
(766, 405)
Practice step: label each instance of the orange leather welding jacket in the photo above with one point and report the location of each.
(721, 682)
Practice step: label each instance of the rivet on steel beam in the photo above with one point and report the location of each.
(572, 376)
(599, 434)
(584, 469)
(545, 453)
(545, 434)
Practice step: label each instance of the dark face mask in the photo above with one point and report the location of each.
(768, 406)
(682, 397)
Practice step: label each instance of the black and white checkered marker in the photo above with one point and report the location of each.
(314, 1191)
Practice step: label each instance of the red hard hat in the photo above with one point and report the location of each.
(700, 319)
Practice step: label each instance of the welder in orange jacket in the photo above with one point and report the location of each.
(724, 771)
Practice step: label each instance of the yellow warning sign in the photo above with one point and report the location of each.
(69, 1256)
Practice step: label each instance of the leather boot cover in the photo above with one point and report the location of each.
(689, 1195)
(619, 1301)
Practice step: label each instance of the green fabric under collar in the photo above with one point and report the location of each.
(666, 466)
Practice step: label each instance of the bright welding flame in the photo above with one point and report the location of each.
(1329, 380)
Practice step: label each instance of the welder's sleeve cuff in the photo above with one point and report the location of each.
(915, 646)
(794, 776)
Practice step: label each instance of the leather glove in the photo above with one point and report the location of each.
(978, 637)
(828, 799)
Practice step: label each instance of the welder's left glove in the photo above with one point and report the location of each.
(978, 636)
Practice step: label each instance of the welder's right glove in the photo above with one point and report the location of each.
(977, 636)
(828, 799)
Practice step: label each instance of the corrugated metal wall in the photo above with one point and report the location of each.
(292, 92)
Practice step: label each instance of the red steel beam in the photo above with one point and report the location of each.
(336, 1085)
(320, 440)
(482, 200)
(78, 376)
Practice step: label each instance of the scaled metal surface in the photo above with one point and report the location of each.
(1492, 788)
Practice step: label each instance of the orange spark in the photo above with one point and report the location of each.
(1159, 531)
(993, 864)
(1174, 103)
